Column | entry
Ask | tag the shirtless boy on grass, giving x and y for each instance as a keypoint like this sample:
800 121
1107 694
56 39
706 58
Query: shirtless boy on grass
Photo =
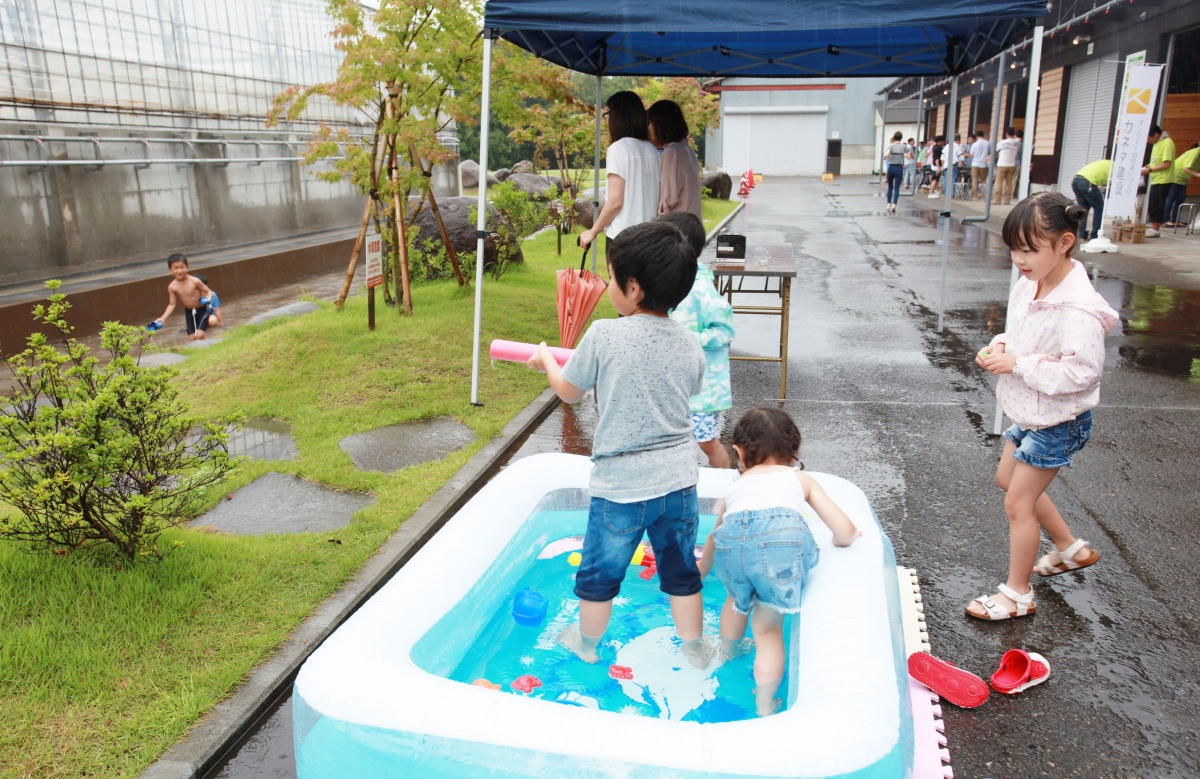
195 296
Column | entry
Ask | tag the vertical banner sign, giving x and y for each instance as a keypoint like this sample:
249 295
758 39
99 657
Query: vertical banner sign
374 252
1129 142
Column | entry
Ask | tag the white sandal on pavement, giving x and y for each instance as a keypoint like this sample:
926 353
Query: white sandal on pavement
1067 561
995 612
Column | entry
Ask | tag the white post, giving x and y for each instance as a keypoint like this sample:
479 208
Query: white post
596 168
481 218
1031 101
883 134
948 156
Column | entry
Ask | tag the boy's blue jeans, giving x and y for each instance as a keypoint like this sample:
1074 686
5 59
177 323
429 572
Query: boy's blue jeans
614 531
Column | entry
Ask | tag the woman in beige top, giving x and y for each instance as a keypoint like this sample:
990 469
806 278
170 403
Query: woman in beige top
679 177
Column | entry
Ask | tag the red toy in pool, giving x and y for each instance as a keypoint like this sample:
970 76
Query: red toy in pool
526 683
620 672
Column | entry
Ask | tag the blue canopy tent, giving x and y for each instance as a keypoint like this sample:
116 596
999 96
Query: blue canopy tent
748 38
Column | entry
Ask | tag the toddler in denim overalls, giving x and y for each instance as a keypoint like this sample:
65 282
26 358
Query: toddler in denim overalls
762 548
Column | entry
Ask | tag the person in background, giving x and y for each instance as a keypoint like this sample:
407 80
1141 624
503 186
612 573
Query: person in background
981 157
1006 167
910 164
633 171
922 165
1162 173
958 161
894 159
938 154
1088 186
679 174
707 314
195 297
1185 164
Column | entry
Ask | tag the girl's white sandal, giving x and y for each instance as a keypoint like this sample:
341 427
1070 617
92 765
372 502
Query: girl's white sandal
995 612
1067 561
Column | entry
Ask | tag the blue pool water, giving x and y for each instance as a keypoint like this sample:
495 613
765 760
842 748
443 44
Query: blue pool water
641 638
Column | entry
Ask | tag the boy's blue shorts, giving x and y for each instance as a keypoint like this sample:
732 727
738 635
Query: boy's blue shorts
614 531
197 318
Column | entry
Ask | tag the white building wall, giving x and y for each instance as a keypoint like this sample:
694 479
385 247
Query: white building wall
849 112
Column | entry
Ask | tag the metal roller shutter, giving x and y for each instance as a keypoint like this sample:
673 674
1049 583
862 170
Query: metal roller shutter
1089 110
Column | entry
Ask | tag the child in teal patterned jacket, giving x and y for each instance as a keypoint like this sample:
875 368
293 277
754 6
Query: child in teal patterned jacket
710 317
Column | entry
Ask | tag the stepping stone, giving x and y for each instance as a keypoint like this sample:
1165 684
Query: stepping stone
263 439
282 503
291 309
159 359
391 448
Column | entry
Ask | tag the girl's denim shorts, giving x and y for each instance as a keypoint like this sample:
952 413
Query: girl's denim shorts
1051 447
764 556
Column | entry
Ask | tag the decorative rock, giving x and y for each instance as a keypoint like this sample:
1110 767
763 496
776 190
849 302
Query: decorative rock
470 173
537 187
718 183
524 166
583 212
492 180
456 213
503 174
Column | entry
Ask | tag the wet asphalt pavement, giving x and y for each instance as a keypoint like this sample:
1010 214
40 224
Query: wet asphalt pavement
884 400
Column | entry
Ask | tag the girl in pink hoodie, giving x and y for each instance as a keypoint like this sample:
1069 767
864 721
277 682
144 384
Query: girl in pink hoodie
1049 364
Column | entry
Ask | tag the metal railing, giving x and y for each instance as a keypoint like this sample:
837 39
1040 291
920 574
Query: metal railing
99 161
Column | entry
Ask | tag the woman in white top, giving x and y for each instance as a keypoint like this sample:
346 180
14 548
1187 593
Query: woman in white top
633 170
679 181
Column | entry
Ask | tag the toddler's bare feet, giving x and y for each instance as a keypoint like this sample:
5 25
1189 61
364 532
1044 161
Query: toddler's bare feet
731 649
766 708
697 652
583 648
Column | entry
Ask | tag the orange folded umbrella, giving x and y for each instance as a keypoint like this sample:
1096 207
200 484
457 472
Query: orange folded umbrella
578 293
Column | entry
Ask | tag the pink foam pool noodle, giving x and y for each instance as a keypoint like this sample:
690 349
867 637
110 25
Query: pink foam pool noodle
515 351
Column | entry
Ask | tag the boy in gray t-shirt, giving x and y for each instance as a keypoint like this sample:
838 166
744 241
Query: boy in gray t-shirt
645 368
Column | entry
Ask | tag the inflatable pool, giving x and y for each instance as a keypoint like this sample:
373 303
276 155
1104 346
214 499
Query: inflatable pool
390 693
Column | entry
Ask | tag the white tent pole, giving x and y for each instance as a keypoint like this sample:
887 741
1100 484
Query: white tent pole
1031 101
948 168
596 166
481 218
916 184
883 134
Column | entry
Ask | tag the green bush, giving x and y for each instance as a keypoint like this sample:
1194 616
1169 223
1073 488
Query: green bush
98 454
517 216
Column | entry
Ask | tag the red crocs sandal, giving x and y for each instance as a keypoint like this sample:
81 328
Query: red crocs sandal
1020 670
962 688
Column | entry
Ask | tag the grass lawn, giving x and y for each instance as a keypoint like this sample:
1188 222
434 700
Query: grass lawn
102 669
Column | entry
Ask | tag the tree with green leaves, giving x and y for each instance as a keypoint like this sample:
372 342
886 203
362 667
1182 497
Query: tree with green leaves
413 68
98 454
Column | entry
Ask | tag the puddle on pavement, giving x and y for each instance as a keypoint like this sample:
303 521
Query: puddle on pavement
263 439
1161 328
394 447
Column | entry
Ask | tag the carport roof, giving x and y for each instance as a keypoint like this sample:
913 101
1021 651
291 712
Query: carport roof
763 38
